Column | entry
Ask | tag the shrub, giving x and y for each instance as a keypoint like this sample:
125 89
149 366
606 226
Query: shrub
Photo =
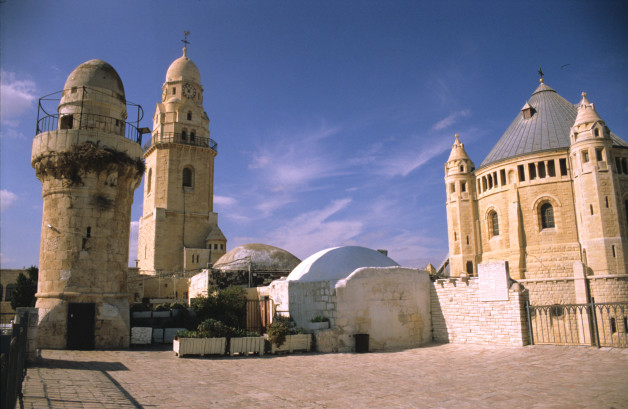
279 329
212 328
162 307
227 305
184 333
177 306
320 318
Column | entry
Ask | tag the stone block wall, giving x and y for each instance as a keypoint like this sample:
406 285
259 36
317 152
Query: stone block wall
609 289
550 291
458 315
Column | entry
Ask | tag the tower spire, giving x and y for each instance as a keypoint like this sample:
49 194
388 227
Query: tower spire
185 42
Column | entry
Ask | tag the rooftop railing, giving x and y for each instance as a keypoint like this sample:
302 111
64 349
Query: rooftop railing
48 119
182 139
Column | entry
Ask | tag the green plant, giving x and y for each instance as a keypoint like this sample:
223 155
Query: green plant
23 294
184 333
279 329
319 318
212 328
227 305
162 307
177 306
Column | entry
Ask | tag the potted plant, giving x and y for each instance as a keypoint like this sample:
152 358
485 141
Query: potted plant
209 338
244 343
284 337
318 323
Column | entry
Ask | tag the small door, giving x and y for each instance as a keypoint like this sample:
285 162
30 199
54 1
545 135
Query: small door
81 317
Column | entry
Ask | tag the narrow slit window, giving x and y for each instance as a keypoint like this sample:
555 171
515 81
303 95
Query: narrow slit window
463 186
187 177
484 184
502 175
599 155
490 181
591 208
174 90
563 167
532 171
522 174
551 170
494 220
88 233
189 116
467 240
613 250
542 173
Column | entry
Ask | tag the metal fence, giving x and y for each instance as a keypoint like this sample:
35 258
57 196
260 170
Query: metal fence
12 363
599 324
258 315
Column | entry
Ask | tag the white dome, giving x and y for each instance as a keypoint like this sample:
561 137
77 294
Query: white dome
183 69
338 263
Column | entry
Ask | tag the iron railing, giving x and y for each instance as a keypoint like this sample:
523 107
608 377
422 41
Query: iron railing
12 363
183 139
89 121
48 119
599 324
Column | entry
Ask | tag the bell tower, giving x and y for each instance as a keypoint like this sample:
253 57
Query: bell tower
179 230
461 212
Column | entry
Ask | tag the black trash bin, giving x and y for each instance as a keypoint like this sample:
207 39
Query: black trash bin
361 343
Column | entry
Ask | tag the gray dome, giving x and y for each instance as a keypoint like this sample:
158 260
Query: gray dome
548 127
338 263
95 74
262 257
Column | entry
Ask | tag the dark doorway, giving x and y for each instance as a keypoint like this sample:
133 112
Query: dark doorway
81 318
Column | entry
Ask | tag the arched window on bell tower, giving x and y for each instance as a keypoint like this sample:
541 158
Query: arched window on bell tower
188 177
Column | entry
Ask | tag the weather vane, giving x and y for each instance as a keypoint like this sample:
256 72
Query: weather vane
185 40
541 72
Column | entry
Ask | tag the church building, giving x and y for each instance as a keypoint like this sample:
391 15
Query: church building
179 230
550 198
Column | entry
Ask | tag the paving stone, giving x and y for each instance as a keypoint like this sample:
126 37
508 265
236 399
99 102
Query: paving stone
435 376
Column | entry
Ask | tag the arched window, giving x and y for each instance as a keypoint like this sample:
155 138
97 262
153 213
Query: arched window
469 268
184 135
547 216
149 179
187 177
493 220
192 136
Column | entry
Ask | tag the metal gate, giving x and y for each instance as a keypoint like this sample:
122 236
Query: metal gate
599 324
258 315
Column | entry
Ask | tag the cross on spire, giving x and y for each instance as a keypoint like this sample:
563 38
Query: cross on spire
541 74
185 40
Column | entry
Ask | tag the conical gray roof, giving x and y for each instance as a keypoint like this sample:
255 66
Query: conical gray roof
547 129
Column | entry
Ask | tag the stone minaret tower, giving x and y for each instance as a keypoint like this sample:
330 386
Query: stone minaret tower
179 230
89 161
464 241
601 229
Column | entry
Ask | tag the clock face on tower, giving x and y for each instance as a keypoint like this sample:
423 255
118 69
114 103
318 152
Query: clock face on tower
189 91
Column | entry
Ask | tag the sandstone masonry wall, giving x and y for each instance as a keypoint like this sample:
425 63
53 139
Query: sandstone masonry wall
458 315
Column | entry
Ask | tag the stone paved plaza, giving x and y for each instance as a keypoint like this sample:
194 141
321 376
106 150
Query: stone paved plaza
435 376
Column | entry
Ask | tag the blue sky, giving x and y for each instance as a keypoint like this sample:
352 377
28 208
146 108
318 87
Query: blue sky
333 118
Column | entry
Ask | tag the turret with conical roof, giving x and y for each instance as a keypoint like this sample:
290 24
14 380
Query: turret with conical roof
461 210
597 190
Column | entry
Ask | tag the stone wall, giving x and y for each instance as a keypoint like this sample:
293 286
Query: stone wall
609 288
458 315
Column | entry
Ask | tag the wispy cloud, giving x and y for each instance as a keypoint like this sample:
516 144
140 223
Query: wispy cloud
450 120
224 200
316 230
410 155
16 97
295 160
6 199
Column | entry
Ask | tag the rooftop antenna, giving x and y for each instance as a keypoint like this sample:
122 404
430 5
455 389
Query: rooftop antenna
541 74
